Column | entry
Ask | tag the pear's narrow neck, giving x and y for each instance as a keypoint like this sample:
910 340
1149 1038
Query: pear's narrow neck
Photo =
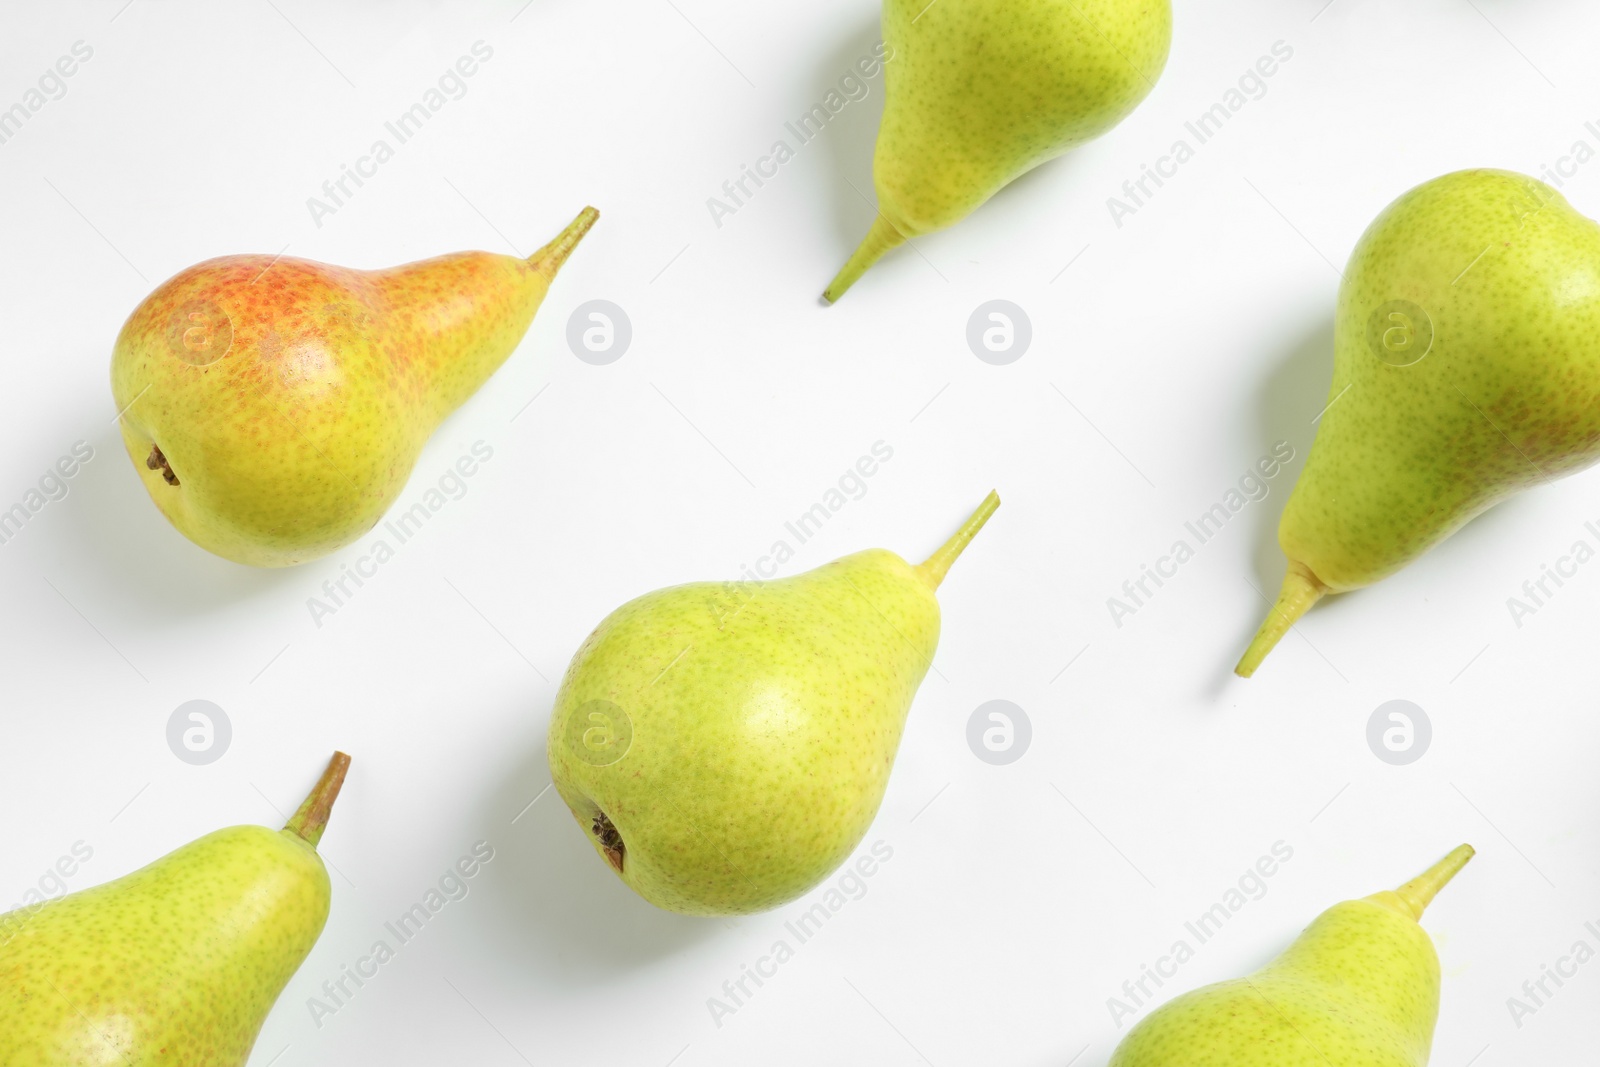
936 566
467 313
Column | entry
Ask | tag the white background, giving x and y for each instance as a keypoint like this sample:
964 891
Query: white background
1165 361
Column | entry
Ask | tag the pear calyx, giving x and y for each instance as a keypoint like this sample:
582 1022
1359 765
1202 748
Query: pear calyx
610 841
1301 589
157 462
934 568
1418 893
312 818
882 237
551 256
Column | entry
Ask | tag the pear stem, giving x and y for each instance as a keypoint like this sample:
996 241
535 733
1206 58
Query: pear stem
1301 589
312 818
1420 891
882 237
936 566
551 256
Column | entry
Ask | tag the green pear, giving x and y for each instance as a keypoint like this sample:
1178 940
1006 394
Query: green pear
1466 369
726 745
275 407
979 92
1359 988
178 963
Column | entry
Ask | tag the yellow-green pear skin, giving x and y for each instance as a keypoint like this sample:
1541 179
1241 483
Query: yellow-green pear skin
726 745
174 965
1359 988
1466 369
979 92
275 407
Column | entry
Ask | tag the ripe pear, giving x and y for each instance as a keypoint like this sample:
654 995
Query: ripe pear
726 745
177 963
979 92
275 407
1359 988
1466 369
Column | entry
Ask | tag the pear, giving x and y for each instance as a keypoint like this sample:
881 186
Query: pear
1359 988
978 92
177 963
275 407
1466 369
726 745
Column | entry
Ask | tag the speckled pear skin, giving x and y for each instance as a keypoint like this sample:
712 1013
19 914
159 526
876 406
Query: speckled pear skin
978 92
291 399
178 963
1358 988
1508 398
1418 438
765 718
174 965
981 91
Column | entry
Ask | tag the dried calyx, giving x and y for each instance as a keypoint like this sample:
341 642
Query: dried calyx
157 462
610 841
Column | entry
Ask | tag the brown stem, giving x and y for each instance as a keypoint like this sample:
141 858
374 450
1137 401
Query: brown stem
312 818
